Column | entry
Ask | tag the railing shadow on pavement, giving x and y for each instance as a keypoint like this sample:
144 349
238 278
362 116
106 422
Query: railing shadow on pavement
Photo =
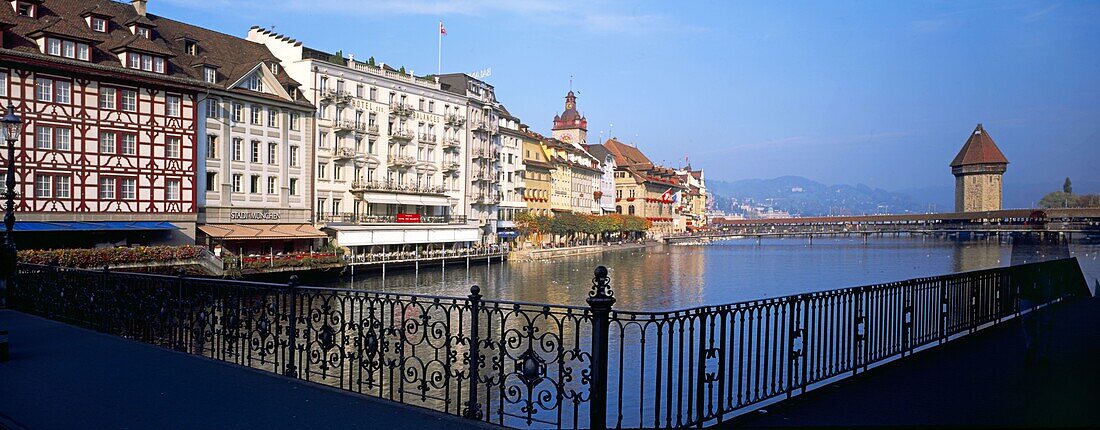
542 365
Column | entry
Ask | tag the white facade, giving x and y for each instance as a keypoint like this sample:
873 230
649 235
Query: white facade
390 147
512 184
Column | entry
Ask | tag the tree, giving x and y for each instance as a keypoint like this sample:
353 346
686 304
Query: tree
1088 201
371 60
337 58
1058 199
1067 187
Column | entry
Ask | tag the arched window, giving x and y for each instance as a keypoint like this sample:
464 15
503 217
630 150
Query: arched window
631 209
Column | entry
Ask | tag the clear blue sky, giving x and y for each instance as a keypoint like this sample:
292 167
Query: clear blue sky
876 92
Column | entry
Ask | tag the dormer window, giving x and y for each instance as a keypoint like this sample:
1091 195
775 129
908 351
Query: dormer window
67 49
26 9
191 47
209 74
99 24
274 68
145 62
142 31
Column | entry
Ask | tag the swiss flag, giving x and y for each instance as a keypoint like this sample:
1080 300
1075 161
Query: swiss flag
442 30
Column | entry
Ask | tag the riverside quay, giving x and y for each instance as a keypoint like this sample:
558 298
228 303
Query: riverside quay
541 365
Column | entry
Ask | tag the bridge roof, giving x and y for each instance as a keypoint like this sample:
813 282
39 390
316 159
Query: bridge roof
979 149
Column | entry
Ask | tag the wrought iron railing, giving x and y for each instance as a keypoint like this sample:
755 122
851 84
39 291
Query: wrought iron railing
541 365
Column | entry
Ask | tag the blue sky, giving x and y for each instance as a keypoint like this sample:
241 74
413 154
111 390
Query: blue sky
876 92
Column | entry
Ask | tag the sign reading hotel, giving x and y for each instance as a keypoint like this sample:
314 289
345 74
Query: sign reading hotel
262 216
408 218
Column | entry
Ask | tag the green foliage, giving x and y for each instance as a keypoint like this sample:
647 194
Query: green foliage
371 61
1058 199
337 58
1067 187
402 70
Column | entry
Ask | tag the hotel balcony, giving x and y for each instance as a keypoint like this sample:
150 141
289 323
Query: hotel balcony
402 135
396 187
344 153
487 154
372 130
339 97
450 166
401 161
454 120
452 143
427 138
401 109
345 126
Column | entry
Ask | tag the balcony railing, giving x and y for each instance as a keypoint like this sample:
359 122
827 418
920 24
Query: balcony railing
482 153
595 366
402 135
426 138
450 166
388 219
401 161
372 130
397 187
401 109
454 120
452 143
344 153
335 96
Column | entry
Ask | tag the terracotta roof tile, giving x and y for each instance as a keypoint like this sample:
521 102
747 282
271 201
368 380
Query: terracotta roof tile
979 149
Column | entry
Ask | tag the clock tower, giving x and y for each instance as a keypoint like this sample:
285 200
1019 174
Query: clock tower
570 127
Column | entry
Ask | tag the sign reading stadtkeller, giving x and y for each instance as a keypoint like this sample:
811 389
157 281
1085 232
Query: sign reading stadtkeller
266 216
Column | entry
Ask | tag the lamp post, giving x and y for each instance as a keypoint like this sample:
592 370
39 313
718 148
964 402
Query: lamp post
9 130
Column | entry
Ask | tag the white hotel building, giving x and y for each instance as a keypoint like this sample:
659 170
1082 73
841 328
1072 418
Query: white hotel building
390 151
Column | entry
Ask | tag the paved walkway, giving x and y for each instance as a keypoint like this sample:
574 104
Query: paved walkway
63 377
981 380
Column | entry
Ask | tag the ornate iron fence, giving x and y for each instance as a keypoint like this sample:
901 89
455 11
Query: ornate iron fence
540 365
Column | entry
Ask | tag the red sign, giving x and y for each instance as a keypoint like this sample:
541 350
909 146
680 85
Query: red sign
409 218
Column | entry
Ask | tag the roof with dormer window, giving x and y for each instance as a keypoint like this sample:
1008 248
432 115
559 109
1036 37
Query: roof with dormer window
64 28
139 43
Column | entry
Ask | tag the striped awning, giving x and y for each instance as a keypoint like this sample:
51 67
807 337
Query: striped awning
261 231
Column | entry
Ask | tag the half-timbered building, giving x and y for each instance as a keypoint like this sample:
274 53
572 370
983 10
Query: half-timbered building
107 149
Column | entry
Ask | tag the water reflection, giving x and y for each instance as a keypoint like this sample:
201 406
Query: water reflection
667 277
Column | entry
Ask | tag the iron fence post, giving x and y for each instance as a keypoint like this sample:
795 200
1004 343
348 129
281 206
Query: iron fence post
289 369
600 300
473 408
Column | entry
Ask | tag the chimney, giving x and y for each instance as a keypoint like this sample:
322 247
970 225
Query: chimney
139 6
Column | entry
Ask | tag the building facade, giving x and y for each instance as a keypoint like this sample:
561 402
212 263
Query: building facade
537 175
511 176
645 189
107 148
577 167
390 150
693 201
607 180
979 168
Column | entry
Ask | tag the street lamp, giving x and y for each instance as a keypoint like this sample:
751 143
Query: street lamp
9 130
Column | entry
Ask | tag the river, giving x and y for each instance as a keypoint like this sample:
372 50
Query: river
672 277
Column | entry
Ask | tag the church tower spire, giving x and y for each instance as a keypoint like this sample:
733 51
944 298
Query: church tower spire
570 126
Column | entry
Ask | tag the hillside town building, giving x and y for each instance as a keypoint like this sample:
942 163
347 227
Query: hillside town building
645 189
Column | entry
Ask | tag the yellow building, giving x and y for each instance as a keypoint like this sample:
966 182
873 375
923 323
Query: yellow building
537 173
645 189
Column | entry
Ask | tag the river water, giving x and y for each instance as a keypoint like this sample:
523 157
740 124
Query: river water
674 277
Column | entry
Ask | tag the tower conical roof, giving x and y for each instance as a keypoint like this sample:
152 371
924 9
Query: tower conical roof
979 149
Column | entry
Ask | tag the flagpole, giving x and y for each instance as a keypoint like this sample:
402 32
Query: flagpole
439 65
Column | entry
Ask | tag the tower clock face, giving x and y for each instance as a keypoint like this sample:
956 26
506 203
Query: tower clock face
567 139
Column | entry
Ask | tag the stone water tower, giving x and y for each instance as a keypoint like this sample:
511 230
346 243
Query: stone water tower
978 170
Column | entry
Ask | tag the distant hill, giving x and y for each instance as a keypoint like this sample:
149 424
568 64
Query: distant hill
805 197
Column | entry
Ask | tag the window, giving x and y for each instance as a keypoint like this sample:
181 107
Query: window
323 141
191 47
236 182
212 108
82 52
3 82
257 113
212 147
272 118
373 93
43 137
141 31
294 121
321 169
68 49
133 60
25 9
254 184
293 156
128 189
107 188
107 98
431 105
62 187
255 83
211 181
272 185
324 83
108 142
173 147
129 100
172 106
43 186
359 91
238 113
129 144
210 74
53 47
272 151
335 206
99 24
43 90
237 148
172 189
293 186
63 92
62 139
254 156
274 68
